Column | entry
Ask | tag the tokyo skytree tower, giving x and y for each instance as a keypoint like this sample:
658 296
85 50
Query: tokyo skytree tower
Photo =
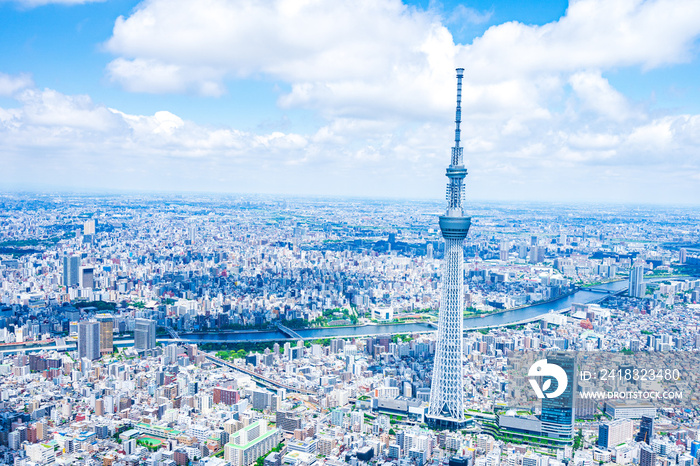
447 389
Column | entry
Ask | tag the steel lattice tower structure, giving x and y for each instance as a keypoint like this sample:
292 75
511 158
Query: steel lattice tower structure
447 389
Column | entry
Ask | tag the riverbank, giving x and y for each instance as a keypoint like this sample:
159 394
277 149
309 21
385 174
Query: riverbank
218 331
538 303
500 319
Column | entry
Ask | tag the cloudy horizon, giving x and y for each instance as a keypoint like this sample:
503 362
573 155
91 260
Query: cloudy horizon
598 102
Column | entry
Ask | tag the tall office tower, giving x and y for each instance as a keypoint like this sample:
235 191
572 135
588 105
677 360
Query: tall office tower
89 340
682 255
446 408
647 456
87 277
89 227
504 249
646 429
106 332
71 268
637 289
534 254
522 250
99 407
89 231
557 418
144 334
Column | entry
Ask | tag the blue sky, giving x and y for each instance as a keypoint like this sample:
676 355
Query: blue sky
597 100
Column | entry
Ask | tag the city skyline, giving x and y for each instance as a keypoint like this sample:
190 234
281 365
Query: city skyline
236 331
105 97
275 281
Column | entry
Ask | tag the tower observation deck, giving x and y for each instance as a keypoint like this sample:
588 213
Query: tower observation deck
446 408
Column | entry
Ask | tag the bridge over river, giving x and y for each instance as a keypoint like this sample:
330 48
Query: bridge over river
525 314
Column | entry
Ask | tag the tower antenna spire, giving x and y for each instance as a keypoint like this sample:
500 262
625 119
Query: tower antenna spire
458 113
456 171
446 408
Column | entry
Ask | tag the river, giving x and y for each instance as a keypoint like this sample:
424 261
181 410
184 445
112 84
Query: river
500 319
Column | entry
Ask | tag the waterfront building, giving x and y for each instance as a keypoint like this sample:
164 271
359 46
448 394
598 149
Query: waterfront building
637 289
144 334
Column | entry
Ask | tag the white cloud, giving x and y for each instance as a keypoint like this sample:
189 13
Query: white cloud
657 135
298 41
148 75
596 94
78 141
593 141
386 60
341 58
36 3
464 14
9 85
76 125
594 34
379 78
49 108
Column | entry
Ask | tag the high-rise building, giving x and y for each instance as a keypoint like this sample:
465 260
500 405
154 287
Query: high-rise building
635 344
41 430
250 443
89 231
637 289
557 418
89 227
534 254
144 334
87 279
682 255
227 396
522 251
503 250
647 456
695 448
89 340
287 421
646 429
106 322
99 407
447 389
71 267
614 433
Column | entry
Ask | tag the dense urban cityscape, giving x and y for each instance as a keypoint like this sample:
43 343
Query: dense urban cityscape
216 329
225 327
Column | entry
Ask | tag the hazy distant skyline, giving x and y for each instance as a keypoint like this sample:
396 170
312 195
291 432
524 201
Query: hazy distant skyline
596 100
